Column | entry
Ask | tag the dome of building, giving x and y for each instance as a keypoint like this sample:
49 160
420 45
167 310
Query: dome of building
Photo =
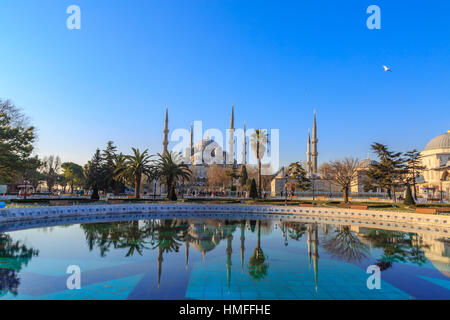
365 164
440 142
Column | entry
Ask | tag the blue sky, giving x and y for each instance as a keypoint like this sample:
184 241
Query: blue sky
277 60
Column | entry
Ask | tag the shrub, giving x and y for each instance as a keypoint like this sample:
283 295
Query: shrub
409 199
253 190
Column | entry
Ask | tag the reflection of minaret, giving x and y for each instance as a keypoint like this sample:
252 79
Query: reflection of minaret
186 244
244 146
166 131
160 260
315 153
308 155
309 245
242 245
316 255
229 252
230 155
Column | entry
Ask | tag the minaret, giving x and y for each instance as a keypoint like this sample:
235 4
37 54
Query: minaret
166 131
244 146
230 155
192 140
308 154
315 154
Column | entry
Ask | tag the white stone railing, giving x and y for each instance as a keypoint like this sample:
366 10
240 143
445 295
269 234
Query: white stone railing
91 213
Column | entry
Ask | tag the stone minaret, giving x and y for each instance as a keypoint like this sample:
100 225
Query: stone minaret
315 154
192 141
166 131
308 155
230 156
244 147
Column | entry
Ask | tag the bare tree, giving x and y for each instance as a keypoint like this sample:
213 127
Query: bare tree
50 169
342 172
216 176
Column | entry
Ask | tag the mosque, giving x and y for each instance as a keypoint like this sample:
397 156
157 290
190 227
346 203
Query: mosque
207 152
434 182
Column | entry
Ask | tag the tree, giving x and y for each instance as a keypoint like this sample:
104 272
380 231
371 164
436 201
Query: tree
51 166
389 172
253 190
135 167
243 176
94 175
409 200
171 169
259 141
233 174
216 176
298 175
31 174
17 138
342 172
112 161
73 173
414 167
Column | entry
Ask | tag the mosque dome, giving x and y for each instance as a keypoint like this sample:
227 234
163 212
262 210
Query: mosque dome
440 142
365 164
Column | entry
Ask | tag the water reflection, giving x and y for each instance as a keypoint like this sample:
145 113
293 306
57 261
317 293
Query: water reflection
345 245
14 255
269 245
397 247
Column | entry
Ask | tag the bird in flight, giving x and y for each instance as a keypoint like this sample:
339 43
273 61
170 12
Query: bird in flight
386 69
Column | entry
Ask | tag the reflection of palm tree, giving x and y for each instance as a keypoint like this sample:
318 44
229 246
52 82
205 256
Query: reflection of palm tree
17 255
134 239
343 244
296 230
258 266
167 239
117 235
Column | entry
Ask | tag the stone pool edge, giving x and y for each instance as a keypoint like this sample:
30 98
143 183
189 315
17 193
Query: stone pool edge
34 213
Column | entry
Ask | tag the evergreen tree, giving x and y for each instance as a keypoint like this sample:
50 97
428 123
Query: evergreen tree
253 190
414 167
244 176
389 172
16 142
409 200
94 175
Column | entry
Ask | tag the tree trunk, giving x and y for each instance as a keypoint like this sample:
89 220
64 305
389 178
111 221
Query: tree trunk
259 178
137 186
345 194
95 195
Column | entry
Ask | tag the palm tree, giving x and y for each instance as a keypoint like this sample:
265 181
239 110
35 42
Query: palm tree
259 141
134 168
171 170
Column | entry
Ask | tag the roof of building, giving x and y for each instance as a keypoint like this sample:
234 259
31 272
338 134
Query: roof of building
440 142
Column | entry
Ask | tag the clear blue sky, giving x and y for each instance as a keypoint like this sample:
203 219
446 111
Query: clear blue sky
277 60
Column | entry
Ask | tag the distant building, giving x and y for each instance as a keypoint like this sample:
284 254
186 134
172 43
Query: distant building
435 179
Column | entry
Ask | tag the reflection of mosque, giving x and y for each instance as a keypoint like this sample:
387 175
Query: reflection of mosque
206 236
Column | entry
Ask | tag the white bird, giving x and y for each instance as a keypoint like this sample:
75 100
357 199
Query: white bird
386 69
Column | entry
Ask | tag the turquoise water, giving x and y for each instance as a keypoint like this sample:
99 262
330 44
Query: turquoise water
218 259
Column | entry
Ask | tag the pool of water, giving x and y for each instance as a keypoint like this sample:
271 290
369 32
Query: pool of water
218 259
